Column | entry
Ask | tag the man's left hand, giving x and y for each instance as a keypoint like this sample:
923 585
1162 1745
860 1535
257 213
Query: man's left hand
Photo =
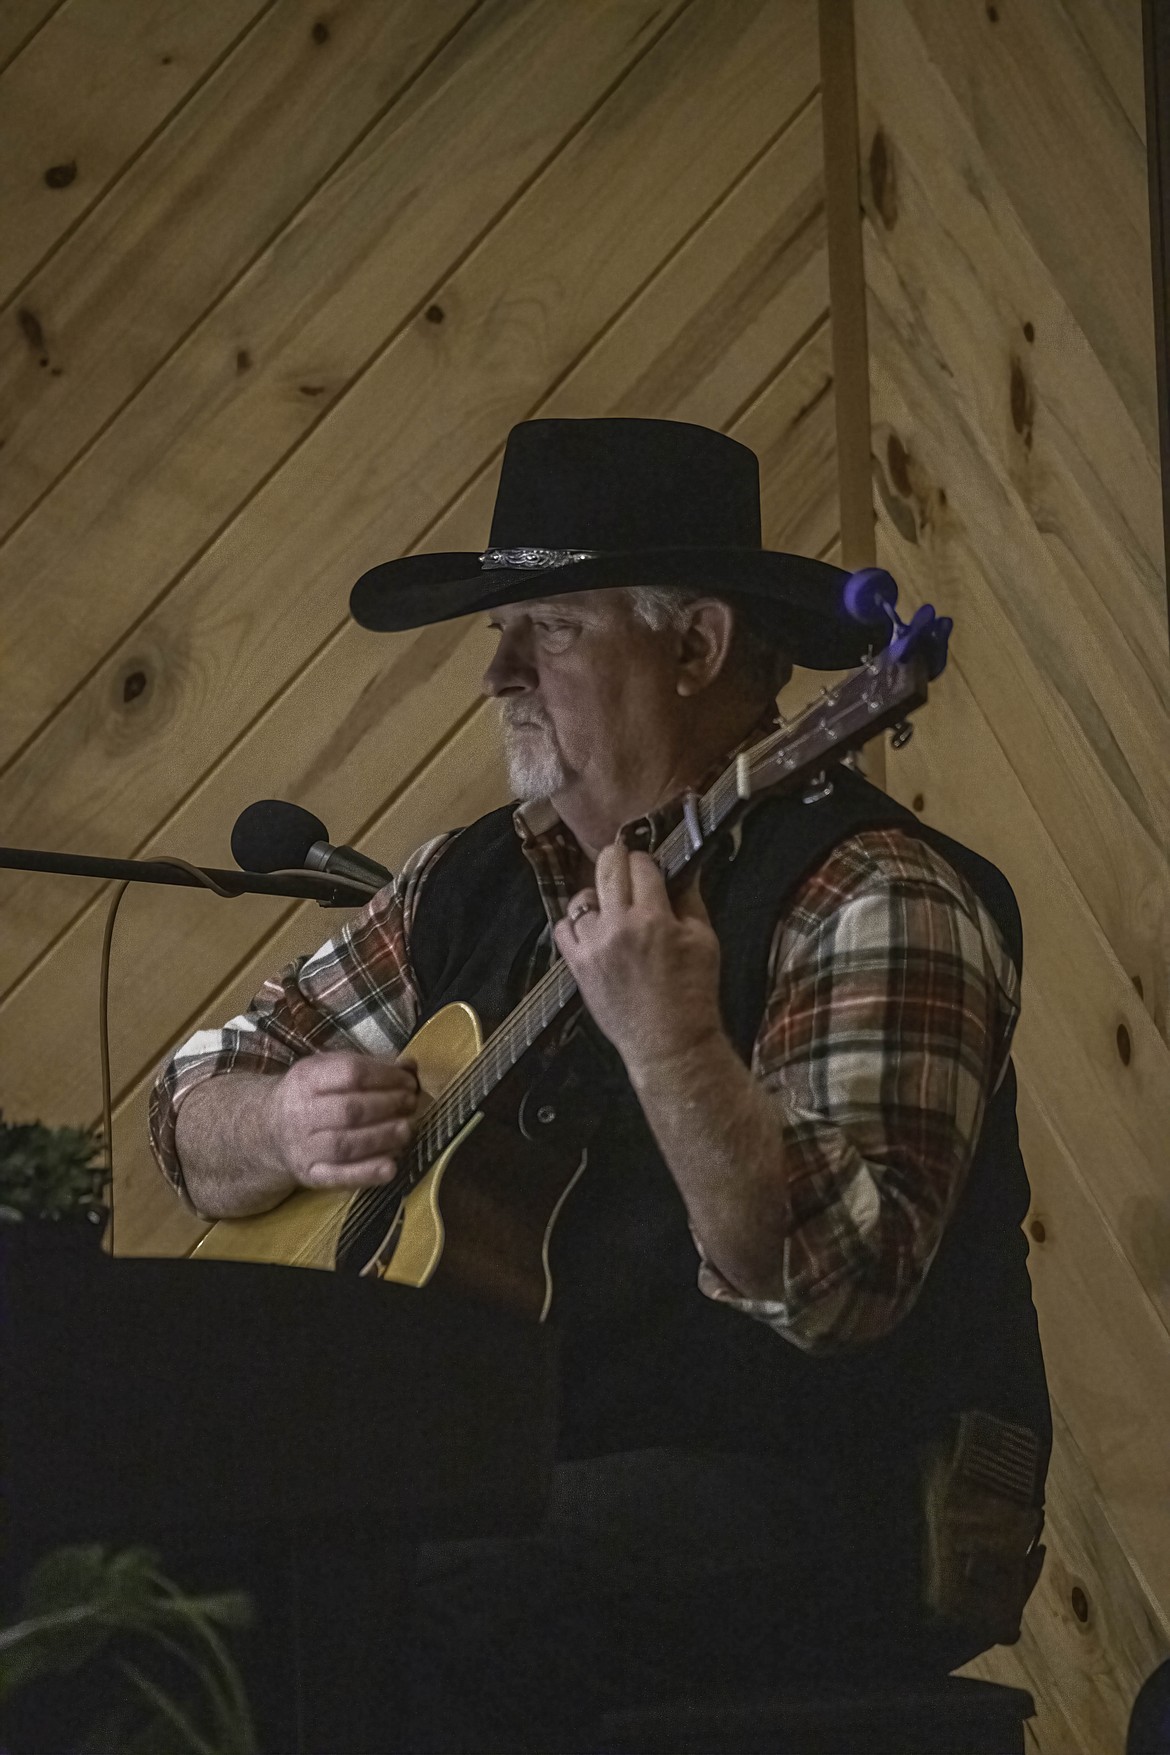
648 971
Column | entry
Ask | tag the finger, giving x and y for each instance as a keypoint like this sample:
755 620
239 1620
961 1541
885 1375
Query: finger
647 884
369 1173
338 1071
612 876
354 1109
565 934
353 1145
587 896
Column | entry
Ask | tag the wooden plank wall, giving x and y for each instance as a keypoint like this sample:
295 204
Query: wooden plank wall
1014 442
312 261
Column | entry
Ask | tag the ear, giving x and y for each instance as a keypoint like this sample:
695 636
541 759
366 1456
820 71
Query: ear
705 644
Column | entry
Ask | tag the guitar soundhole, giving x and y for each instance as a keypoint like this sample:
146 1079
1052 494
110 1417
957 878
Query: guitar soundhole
370 1232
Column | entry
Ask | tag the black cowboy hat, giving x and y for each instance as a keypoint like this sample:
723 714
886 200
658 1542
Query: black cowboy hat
584 504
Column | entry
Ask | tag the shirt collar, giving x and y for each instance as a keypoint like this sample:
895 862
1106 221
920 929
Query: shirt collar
537 821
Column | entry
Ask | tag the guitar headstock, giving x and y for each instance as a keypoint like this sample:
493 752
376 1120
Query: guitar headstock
880 693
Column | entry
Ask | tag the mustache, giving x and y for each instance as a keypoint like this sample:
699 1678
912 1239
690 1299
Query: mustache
508 720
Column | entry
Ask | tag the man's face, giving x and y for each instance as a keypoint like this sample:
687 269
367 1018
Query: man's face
582 687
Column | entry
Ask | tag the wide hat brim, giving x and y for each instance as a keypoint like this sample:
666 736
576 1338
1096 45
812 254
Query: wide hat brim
801 598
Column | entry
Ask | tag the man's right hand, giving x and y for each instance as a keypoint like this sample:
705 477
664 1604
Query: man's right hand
343 1120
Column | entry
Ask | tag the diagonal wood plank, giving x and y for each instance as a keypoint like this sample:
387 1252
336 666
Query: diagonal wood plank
65 135
1111 32
364 486
1021 369
20 20
797 451
360 713
306 275
1107 1349
194 212
1021 79
1078 709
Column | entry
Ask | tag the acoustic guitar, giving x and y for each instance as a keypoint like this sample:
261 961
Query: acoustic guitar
502 1130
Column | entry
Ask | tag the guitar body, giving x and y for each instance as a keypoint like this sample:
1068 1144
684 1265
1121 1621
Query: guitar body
479 1221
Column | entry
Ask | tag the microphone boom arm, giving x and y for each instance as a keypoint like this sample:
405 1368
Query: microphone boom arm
329 890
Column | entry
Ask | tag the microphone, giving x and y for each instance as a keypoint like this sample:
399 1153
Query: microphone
271 835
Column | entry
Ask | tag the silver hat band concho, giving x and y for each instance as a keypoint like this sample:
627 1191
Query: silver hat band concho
535 557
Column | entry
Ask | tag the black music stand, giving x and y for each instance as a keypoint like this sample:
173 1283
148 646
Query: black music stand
288 1432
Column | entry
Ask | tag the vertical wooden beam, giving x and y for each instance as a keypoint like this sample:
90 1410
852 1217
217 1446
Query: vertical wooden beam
847 302
1156 48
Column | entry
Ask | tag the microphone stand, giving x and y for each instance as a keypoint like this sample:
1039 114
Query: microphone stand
329 891
320 887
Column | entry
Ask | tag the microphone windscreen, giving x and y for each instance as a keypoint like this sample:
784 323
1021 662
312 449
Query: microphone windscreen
273 836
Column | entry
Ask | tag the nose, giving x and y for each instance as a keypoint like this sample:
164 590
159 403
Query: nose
511 670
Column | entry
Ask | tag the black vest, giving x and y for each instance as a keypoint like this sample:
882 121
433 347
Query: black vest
648 1359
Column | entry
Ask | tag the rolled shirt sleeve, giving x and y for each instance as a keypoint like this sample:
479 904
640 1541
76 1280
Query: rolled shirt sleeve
891 1008
355 992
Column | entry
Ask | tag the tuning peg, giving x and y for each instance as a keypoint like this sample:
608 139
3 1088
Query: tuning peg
870 594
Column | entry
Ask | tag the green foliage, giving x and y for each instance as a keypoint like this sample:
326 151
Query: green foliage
171 1686
49 1172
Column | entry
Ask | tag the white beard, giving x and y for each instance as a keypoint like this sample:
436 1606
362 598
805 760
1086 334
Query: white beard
534 763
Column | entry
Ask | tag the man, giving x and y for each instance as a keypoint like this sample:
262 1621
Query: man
795 1257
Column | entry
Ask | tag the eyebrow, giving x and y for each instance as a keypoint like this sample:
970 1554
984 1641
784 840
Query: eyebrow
556 605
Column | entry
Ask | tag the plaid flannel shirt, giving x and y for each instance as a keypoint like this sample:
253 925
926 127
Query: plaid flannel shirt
891 1006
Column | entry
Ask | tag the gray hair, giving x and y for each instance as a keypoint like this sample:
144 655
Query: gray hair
758 656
